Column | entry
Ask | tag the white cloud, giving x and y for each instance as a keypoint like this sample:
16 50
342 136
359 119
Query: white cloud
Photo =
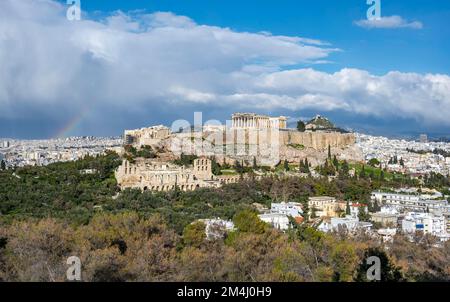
142 63
422 97
389 22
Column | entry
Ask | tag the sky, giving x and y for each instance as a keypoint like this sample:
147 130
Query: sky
136 63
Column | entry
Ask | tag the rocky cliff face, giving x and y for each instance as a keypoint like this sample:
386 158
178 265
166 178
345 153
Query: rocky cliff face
292 146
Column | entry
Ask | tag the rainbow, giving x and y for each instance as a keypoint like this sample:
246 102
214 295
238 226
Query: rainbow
72 124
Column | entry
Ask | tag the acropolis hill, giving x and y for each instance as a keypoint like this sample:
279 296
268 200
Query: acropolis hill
266 128
249 139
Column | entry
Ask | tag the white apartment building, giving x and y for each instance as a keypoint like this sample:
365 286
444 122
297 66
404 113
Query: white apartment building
425 222
292 209
350 223
406 202
278 221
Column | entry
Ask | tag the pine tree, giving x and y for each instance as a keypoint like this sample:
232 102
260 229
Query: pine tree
215 167
362 174
376 206
307 165
329 152
255 165
347 208
286 165
301 126
335 162
3 165
344 168
238 167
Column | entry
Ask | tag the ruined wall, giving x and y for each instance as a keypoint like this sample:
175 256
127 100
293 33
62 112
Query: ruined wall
317 140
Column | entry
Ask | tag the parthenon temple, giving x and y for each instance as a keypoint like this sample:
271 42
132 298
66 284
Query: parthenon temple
252 120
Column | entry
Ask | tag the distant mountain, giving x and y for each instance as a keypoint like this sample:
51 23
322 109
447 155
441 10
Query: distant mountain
321 123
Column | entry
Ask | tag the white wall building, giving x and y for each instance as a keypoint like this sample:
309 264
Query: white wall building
425 222
406 202
292 209
278 221
350 223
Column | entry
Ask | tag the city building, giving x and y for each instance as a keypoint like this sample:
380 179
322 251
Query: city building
406 202
424 222
278 221
22 153
385 219
423 138
5 144
324 206
348 223
292 209
418 157
355 208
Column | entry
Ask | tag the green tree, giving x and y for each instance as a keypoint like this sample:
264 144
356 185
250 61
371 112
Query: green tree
329 152
362 174
335 162
313 212
238 167
362 214
347 208
146 152
194 234
215 167
286 165
2 165
301 126
248 222
374 162
344 169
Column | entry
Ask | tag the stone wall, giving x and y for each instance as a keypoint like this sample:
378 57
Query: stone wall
317 140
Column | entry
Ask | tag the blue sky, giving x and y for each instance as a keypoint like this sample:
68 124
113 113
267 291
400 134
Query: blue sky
378 51
134 63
